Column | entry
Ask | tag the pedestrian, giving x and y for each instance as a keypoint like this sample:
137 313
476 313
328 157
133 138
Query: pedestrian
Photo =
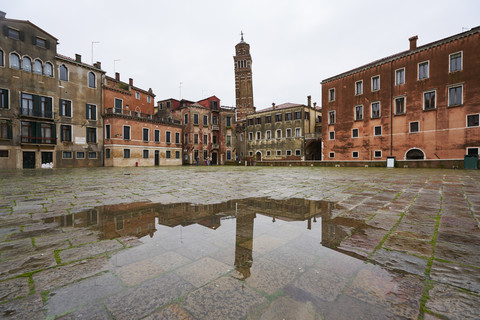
196 160
208 161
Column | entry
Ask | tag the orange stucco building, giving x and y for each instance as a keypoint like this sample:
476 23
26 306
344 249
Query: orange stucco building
420 104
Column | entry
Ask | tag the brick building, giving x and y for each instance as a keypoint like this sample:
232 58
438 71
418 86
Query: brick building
50 105
422 103
208 129
134 136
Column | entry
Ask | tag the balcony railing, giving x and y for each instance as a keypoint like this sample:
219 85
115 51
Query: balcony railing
38 140
37 113
215 146
315 135
215 127
139 115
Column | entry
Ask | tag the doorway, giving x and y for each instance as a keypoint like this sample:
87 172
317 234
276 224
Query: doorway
47 157
258 156
214 158
28 160
157 157
415 154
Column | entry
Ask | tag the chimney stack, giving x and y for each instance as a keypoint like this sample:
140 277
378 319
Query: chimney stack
98 65
3 15
130 82
413 42
273 105
314 104
78 58
117 76
309 101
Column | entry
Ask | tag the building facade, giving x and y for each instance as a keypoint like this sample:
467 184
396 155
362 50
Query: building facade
134 135
422 103
45 98
281 132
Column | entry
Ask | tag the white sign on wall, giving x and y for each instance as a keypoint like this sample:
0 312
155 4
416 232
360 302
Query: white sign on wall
80 140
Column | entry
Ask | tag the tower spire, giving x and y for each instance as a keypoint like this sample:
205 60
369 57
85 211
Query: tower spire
241 33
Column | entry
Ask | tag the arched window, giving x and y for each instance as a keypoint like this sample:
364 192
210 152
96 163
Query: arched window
1 59
63 73
37 66
14 61
92 83
415 154
27 64
48 71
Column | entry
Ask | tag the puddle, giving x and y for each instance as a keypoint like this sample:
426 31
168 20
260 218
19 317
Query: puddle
240 259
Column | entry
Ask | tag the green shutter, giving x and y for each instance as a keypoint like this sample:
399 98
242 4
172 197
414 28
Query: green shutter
5 98
49 111
37 128
54 133
36 106
86 110
9 129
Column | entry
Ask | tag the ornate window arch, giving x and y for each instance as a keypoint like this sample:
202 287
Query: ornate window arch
414 154
27 64
14 61
92 80
37 66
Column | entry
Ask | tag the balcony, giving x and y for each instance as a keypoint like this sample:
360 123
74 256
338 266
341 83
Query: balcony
128 113
315 135
215 146
38 140
38 113
215 127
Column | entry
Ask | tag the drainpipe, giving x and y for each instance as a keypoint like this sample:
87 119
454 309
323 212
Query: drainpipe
391 108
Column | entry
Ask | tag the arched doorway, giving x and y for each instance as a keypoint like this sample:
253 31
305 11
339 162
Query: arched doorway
414 154
258 156
313 150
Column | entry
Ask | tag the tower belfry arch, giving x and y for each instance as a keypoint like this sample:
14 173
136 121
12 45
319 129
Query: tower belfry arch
243 80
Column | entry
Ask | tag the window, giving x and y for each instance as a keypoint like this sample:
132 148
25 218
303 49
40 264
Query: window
156 134
37 67
205 120
250 122
92 80
195 138
229 155
473 120
288 133
80 155
241 136
67 155
91 111
250 136
107 131
107 153
456 62
455 96
91 135
288 116
268 134
92 155
269 153
145 134
472 151
214 105
168 154
168 104
3 153
27 64
66 133
331 94
65 108
400 105
13 34
377 154
250 153
298 132
278 117
39 42
331 135
268 119
37 106
63 73
331 155
358 113
214 120
177 154
145 154
137 95
279 133
414 126
14 61
126 132
355 154
48 70
279 152
229 121
355 133
177 137
118 105
298 152
331 117
288 152
3 98
258 120
399 76
168 137
5 129
359 87
377 130
195 119
259 135
126 153
423 70
376 83
429 100
298 115
375 110
185 119
1 59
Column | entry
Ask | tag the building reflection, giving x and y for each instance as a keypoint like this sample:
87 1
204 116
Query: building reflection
139 220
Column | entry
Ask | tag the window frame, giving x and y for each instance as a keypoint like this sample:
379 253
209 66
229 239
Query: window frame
288 133
156 135
268 134
358 92
64 153
4 98
91 110
24 64
61 76
147 130
92 82
331 94
80 155
353 154
89 131
278 153
298 132
454 86
127 133
404 98
63 108
145 154
331 135
277 135
357 133
373 81
410 127
168 136
375 134
477 121
331 117
375 154
419 65
379 110
331 155
434 101
450 61
397 72
356 114
17 58
63 132
126 153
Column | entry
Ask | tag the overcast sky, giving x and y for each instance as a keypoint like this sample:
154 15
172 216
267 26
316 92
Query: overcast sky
294 44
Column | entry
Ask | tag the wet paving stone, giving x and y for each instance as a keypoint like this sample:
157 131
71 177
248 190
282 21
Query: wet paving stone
203 271
292 258
267 276
286 308
172 312
30 307
14 288
86 291
347 308
22 265
89 250
88 312
225 298
409 245
453 303
456 275
400 261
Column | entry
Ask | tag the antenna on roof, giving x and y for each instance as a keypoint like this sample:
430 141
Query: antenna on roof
465 29
93 42
180 88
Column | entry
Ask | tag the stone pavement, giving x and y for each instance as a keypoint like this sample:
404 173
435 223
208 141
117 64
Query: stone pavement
403 243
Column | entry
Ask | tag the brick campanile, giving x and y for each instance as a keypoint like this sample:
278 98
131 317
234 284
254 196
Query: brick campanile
243 80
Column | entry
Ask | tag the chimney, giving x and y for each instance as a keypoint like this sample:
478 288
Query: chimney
314 104
2 15
117 76
130 82
78 58
98 65
273 105
413 42
309 101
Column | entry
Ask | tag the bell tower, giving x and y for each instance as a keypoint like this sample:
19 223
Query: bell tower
243 80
